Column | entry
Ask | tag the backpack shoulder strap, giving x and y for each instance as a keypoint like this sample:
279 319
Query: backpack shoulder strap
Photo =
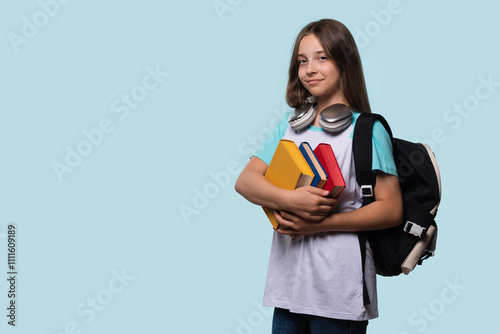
362 150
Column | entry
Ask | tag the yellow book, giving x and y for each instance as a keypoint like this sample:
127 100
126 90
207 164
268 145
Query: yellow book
288 169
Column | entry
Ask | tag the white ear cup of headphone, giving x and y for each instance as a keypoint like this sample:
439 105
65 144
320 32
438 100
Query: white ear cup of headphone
304 114
335 118
302 117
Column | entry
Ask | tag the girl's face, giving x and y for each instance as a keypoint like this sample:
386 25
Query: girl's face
319 75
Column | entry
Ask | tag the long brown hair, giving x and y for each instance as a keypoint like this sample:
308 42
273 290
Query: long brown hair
339 46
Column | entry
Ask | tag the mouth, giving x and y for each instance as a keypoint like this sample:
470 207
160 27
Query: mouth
313 81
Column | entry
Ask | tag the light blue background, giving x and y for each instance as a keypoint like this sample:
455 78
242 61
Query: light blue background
120 209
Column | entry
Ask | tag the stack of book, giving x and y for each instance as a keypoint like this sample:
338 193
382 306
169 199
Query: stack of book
292 167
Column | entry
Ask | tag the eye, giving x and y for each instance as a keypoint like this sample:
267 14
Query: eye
323 58
302 61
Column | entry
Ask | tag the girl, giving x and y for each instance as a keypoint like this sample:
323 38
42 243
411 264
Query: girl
314 277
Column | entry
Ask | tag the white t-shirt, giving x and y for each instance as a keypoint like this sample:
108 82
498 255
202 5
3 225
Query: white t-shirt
321 274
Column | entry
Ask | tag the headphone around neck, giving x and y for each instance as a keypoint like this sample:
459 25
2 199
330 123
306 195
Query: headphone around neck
334 118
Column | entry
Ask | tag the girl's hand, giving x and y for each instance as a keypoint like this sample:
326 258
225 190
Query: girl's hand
310 203
295 226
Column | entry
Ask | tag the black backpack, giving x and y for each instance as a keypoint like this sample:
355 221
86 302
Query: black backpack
401 248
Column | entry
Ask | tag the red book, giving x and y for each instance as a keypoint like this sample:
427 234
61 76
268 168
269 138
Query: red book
335 183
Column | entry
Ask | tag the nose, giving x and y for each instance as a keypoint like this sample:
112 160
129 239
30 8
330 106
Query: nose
311 68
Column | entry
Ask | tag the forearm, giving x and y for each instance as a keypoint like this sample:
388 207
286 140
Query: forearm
386 211
307 202
253 186
374 216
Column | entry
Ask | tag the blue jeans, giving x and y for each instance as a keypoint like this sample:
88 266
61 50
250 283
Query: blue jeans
286 322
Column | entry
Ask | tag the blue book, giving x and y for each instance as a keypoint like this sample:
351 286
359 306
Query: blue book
320 176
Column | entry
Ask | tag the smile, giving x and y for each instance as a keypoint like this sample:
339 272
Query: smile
314 81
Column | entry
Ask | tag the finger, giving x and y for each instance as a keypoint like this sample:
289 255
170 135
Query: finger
282 222
324 209
297 217
288 216
293 221
321 212
285 231
284 225
328 201
317 191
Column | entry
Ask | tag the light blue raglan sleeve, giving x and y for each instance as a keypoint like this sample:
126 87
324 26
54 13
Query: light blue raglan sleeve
383 159
266 151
